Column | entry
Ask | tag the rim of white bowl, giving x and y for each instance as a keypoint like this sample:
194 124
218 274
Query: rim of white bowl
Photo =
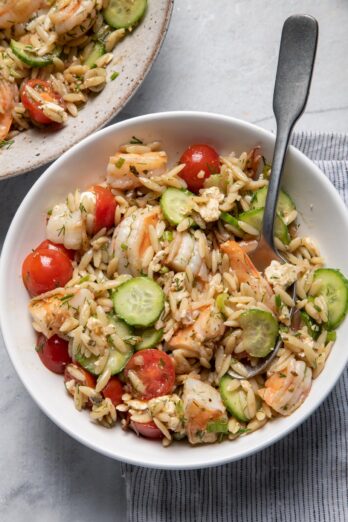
5 259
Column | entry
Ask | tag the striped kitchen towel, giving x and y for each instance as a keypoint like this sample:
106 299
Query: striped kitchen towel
302 478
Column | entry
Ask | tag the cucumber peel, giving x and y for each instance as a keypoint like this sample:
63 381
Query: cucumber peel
334 289
122 14
285 204
260 332
139 301
28 56
235 401
175 205
97 51
255 217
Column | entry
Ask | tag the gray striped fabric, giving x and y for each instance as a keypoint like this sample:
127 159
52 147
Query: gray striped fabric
302 478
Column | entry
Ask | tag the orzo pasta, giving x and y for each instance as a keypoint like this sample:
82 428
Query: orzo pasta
144 296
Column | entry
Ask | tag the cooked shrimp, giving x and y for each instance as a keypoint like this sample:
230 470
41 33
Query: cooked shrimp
246 271
209 325
240 261
202 405
17 11
123 168
286 390
72 18
65 227
50 310
184 252
8 96
132 238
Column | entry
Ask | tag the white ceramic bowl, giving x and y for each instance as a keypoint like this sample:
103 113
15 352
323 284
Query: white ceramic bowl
322 215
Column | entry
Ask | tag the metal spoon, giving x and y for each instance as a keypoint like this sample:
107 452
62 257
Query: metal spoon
294 73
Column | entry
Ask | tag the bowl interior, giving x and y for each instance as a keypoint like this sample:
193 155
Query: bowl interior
321 212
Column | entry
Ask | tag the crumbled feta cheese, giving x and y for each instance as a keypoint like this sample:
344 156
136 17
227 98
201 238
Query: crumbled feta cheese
281 274
207 204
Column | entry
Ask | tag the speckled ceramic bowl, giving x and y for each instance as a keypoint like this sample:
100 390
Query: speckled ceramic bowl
136 54
321 211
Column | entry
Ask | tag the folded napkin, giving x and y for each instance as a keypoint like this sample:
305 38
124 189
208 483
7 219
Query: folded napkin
302 478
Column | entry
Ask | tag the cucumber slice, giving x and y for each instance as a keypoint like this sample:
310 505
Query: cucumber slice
149 338
234 401
334 289
285 203
124 13
97 51
233 222
115 363
254 218
175 205
260 332
139 301
27 55
117 360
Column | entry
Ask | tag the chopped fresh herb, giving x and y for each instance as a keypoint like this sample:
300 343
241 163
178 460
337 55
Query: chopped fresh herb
61 231
136 141
49 212
124 246
84 279
82 208
6 144
119 163
134 170
114 76
243 430
278 301
164 270
66 298
94 66
219 426
282 375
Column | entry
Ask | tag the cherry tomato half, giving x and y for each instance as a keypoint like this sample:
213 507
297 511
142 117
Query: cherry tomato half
114 391
75 372
148 429
199 158
46 91
53 352
104 208
155 369
44 270
55 246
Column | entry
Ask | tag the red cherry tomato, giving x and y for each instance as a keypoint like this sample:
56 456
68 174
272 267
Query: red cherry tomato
74 372
44 270
45 90
155 369
198 158
53 352
148 429
55 246
104 208
114 391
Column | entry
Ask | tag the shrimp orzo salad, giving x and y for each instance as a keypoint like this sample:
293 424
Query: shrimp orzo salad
54 54
145 298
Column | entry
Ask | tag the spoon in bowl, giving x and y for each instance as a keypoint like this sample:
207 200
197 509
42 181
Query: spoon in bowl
294 73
